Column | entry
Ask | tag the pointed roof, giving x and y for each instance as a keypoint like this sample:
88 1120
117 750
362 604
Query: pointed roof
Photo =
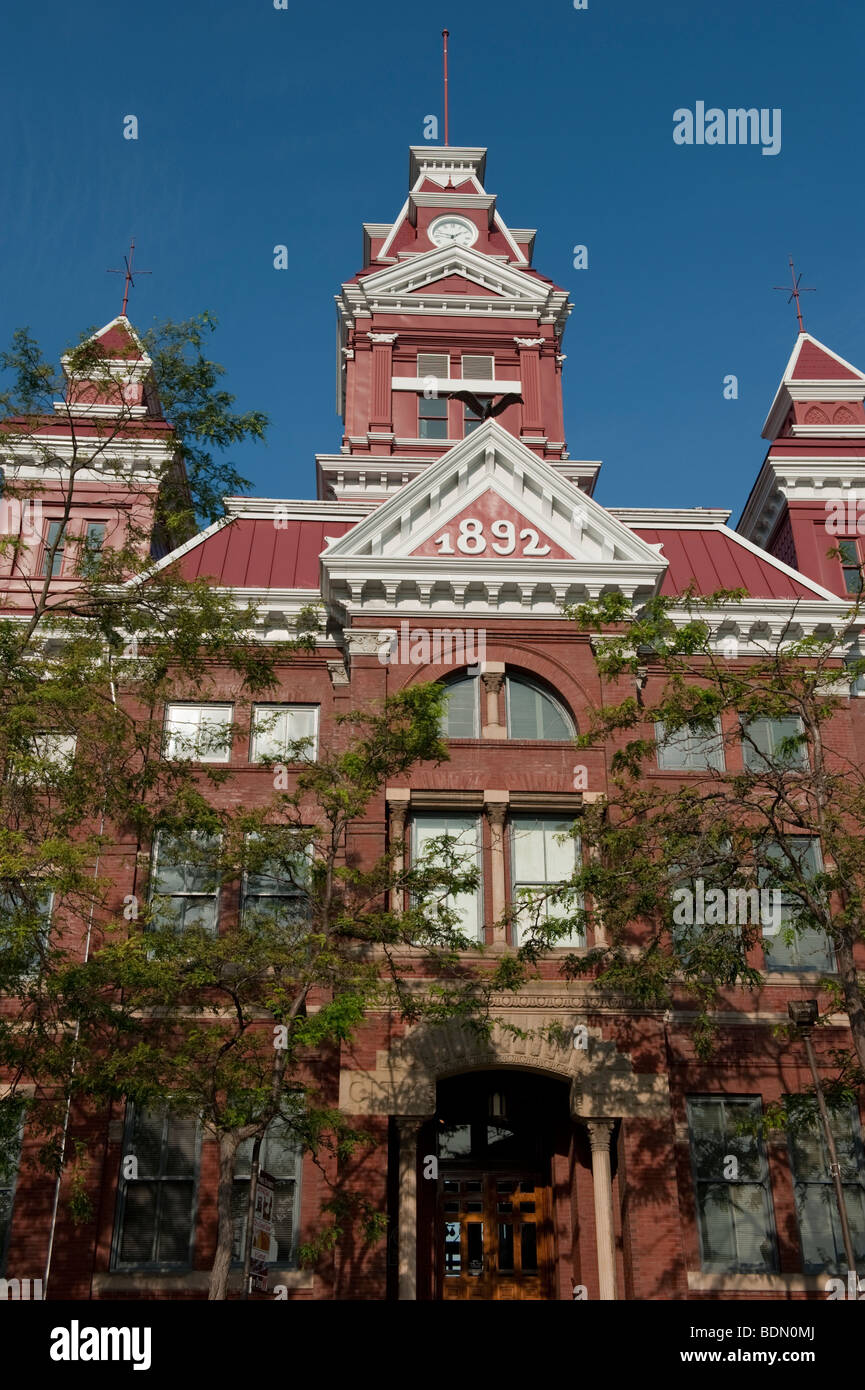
813 372
119 339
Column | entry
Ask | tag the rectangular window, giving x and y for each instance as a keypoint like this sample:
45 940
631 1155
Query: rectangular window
699 923
731 1181
156 1195
465 831
471 419
284 733
432 422
478 368
765 744
199 732
540 857
49 756
816 1204
185 882
808 948
851 563
8 1179
92 543
55 535
279 890
280 1158
25 918
689 749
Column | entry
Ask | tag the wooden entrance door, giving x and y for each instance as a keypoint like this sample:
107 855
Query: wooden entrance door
495 1238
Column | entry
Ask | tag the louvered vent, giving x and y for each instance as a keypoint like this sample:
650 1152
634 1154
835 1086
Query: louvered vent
478 368
434 364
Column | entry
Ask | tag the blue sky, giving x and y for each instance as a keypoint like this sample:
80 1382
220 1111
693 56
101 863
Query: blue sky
260 126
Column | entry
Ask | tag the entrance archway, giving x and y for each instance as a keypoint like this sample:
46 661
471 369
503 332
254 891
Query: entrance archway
490 1221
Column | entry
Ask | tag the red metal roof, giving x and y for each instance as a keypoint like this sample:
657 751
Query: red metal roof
812 364
713 559
254 553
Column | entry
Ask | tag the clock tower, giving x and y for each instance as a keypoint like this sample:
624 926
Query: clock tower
447 300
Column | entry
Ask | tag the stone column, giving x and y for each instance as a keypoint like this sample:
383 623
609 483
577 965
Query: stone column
493 676
496 806
409 1128
397 806
602 1184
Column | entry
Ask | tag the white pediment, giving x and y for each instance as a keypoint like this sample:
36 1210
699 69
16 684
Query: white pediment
488 528
493 276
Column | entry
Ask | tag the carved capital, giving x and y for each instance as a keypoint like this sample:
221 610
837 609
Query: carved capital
529 342
599 1134
382 338
493 681
337 672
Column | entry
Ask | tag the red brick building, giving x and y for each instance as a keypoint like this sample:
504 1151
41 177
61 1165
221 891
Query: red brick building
444 545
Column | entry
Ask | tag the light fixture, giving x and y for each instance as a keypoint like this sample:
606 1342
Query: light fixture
803 1012
498 1105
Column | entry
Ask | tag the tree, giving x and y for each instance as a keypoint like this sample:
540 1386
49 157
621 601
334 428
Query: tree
87 666
788 821
122 997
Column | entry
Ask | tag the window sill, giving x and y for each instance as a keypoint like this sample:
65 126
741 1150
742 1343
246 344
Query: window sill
193 1281
698 1282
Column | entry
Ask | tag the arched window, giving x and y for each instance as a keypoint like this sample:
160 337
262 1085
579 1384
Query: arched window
461 719
533 713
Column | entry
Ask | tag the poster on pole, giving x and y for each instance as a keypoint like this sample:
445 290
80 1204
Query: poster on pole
263 1232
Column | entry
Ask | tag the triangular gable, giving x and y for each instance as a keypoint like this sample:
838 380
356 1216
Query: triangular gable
814 362
420 271
813 372
119 339
490 511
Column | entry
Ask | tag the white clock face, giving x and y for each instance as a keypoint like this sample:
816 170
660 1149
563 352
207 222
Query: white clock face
453 231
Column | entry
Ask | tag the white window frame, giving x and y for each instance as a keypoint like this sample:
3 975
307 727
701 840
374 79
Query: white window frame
478 356
692 741
263 710
439 376
554 824
464 680
470 928
544 693
288 894
185 894
796 965
55 749
179 746
755 761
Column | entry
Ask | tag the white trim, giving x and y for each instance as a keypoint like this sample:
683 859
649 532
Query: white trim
482 386
174 555
827 431
671 517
